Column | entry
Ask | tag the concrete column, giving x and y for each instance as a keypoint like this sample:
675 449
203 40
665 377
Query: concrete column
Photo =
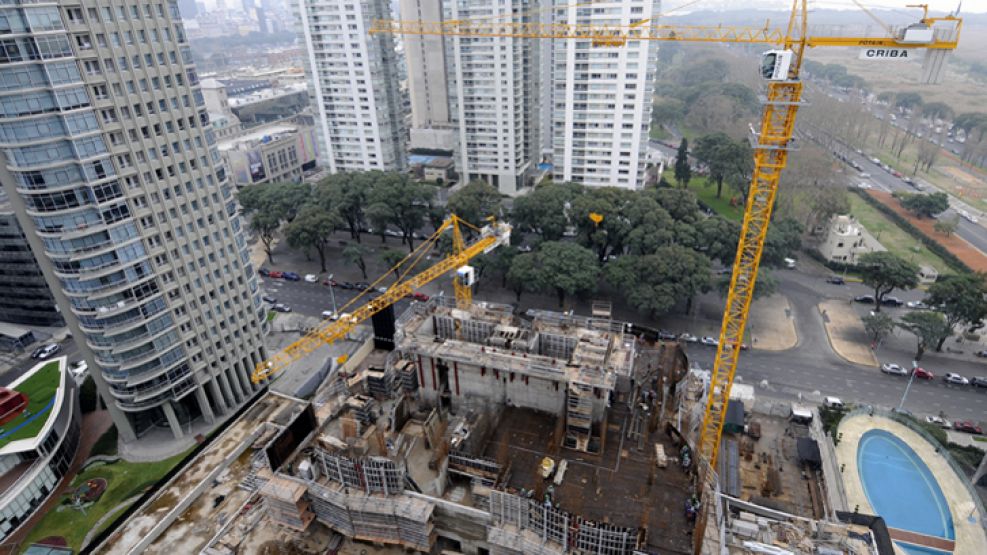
230 374
239 376
176 426
225 385
217 396
200 396
248 386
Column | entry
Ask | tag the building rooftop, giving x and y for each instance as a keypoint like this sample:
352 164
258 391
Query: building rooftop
41 385
263 134
267 94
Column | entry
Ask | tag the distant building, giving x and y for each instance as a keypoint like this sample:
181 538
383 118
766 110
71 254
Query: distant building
846 239
439 169
280 151
188 9
24 294
33 458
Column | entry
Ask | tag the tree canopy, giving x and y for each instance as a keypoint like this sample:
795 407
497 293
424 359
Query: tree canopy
656 283
475 202
884 272
960 299
925 206
929 328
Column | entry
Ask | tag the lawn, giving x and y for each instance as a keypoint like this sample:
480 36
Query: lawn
124 479
706 192
40 390
895 239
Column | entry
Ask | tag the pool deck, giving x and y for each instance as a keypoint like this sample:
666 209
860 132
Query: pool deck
970 536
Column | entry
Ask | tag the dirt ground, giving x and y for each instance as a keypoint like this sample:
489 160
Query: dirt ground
846 333
966 252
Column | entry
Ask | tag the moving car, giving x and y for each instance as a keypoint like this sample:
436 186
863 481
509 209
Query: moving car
291 276
268 299
666 335
78 368
417 296
688 338
955 379
917 305
968 427
311 278
923 374
979 381
711 341
939 421
866 299
281 307
46 351
836 280
893 369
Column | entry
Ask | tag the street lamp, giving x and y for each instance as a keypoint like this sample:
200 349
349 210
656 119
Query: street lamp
911 378
332 294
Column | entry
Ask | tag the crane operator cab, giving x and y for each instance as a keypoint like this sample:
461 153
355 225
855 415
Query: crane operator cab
466 276
775 65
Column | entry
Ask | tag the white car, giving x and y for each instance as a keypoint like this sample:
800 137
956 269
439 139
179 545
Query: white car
893 369
918 305
78 368
688 338
864 174
954 378
711 341
939 421
311 278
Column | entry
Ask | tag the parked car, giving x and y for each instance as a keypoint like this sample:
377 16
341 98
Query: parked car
955 379
381 289
346 285
417 296
275 274
866 299
917 305
688 338
833 403
939 421
979 381
361 286
893 369
281 307
311 278
268 299
923 374
291 276
711 341
892 301
78 368
47 351
330 283
666 335
836 280
328 314
968 427
264 272
864 174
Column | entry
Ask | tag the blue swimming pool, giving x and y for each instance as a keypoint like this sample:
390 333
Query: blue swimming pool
900 487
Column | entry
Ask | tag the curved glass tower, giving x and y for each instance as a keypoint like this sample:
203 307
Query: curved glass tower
112 170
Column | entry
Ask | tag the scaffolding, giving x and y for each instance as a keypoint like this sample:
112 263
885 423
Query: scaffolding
368 474
481 470
526 526
579 417
286 503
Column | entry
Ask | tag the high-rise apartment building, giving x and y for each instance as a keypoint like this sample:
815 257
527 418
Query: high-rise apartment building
110 165
601 97
494 90
24 294
353 81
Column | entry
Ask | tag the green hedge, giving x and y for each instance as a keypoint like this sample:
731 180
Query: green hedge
930 243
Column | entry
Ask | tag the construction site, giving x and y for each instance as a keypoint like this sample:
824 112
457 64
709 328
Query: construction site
479 431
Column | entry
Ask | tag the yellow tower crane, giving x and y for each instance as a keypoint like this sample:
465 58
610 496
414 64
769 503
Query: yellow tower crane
489 237
780 68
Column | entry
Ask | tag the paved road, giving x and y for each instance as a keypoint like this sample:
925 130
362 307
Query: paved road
69 348
311 299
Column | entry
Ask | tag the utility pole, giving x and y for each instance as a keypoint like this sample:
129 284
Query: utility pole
332 294
911 378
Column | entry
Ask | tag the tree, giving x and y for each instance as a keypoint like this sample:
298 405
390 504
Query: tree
394 199
656 283
884 272
908 100
683 172
266 225
680 204
946 226
930 328
878 326
612 203
725 159
667 110
566 268
766 285
718 239
961 298
346 193
391 258
524 274
925 206
354 254
545 210
474 202
784 239
312 228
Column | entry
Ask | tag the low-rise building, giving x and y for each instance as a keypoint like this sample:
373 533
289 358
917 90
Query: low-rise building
280 151
846 239
438 169
38 441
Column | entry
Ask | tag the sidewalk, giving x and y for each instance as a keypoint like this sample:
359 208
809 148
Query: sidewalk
846 333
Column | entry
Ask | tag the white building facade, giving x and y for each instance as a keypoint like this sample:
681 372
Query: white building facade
846 239
602 97
353 79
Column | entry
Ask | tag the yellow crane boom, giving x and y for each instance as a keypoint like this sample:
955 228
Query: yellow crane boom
771 145
490 237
